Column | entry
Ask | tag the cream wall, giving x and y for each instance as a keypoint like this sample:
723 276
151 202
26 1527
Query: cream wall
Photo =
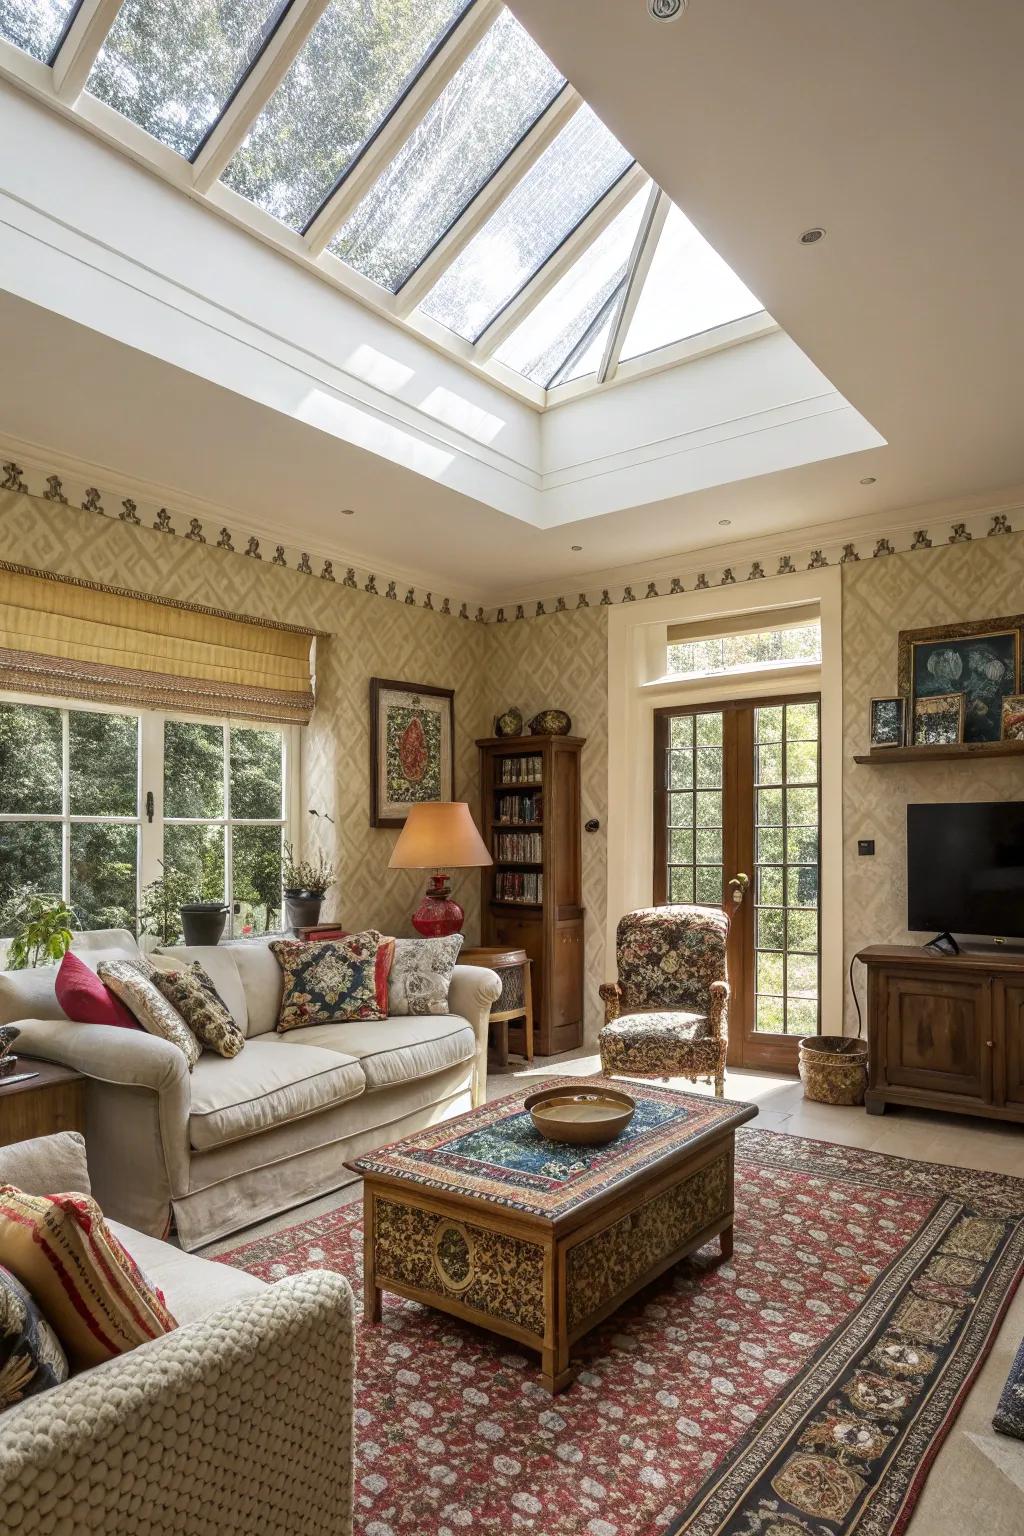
976 579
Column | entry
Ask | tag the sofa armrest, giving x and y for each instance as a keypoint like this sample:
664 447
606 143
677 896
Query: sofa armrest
47 1165
138 1101
473 989
241 1422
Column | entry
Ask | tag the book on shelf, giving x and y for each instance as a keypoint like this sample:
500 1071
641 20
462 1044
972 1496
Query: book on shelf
513 810
526 888
518 848
520 770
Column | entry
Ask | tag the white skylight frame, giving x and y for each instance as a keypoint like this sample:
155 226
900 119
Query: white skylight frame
60 84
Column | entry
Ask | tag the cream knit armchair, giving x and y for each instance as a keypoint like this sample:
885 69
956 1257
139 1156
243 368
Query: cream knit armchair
238 1423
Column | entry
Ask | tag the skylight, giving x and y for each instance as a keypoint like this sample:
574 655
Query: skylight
563 186
37 26
357 63
688 290
171 65
425 155
480 116
554 329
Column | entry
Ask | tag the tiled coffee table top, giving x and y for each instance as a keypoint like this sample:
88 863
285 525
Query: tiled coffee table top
494 1154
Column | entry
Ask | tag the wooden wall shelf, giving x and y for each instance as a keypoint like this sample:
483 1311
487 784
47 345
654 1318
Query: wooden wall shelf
961 753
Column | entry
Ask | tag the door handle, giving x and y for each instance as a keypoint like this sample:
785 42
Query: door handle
739 884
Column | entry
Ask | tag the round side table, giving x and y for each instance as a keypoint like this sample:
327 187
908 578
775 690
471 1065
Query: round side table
516 998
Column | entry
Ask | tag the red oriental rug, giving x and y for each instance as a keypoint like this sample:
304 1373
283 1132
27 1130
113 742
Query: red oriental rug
800 1389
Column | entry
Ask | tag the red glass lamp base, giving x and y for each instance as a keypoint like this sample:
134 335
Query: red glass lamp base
437 914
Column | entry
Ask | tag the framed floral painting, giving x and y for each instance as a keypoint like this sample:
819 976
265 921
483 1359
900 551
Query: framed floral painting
939 720
412 748
980 659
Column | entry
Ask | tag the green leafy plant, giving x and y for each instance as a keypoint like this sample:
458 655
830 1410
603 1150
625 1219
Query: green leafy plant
315 876
161 904
41 925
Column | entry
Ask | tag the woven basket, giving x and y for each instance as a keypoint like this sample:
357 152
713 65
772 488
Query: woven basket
833 1069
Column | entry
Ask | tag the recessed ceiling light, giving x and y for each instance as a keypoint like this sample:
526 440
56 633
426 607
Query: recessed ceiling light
666 10
724 522
812 236
868 479
348 511
576 547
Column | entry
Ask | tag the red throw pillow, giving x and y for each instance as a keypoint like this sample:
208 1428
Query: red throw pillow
86 1000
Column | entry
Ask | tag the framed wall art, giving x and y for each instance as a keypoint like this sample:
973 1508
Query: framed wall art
1013 717
412 748
938 720
980 659
887 722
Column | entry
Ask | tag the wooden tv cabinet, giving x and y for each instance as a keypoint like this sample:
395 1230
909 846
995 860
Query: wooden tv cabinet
946 1031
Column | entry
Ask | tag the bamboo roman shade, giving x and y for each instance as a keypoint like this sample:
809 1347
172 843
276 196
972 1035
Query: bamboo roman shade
59 636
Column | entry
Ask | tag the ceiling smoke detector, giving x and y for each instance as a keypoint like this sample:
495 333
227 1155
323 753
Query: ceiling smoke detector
667 10
812 236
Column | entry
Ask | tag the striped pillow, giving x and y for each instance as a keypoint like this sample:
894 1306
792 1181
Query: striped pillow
88 1287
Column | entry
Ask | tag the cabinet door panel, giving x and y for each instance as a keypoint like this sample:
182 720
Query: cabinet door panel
938 1036
1013 1043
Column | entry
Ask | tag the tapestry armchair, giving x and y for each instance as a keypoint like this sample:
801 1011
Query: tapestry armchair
667 1014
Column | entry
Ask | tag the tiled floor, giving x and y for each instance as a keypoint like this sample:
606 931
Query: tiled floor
977 1482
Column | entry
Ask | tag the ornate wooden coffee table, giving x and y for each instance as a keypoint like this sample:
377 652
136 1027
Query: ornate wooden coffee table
483 1218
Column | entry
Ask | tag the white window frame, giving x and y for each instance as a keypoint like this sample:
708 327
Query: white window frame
151 769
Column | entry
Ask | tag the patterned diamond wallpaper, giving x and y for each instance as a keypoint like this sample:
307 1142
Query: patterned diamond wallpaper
975 579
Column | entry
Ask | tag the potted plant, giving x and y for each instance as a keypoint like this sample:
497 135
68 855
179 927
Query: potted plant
167 911
41 926
306 882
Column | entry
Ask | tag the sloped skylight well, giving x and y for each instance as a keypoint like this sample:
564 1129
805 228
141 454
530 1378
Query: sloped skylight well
425 154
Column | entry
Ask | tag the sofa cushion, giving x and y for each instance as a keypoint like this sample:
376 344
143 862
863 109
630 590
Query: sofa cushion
261 978
130 980
191 992
270 1083
397 1050
86 999
421 974
333 980
31 994
192 1287
218 961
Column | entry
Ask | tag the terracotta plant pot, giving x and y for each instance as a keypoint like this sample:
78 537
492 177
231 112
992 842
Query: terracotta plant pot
834 1069
302 909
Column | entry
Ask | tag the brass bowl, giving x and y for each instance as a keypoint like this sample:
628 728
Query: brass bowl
582 1117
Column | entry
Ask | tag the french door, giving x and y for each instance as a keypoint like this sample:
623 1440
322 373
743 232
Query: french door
737 817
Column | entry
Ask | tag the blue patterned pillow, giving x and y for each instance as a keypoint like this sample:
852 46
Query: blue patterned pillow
30 1357
1009 1416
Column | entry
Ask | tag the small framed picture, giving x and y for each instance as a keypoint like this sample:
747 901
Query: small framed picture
1013 717
939 720
888 722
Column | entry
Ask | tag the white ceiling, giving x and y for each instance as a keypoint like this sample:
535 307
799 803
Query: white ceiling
897 127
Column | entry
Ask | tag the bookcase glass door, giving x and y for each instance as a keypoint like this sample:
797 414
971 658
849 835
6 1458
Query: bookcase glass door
737 811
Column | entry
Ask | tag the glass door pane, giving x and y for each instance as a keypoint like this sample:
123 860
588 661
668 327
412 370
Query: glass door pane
694 777
786 872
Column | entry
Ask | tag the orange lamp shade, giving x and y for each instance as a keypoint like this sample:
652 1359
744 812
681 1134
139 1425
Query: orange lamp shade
439 836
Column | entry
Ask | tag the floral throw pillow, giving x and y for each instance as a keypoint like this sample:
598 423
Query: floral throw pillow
131 981
191 992
333 981
422 973
31 1358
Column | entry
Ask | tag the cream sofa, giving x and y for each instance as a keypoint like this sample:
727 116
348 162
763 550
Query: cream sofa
234 1142
239 1422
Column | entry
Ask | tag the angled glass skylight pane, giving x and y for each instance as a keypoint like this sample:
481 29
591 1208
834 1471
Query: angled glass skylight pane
688 290
172 65
483 112
554 328
37 26
354 67
585 359
554 195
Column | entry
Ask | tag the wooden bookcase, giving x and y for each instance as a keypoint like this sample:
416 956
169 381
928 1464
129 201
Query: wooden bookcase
532 893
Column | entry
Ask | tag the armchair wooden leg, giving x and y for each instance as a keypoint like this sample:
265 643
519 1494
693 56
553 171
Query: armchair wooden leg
719 1085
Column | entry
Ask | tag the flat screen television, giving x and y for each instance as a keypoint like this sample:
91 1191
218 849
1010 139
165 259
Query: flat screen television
965 868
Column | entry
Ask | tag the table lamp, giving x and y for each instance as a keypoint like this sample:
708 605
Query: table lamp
439 836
